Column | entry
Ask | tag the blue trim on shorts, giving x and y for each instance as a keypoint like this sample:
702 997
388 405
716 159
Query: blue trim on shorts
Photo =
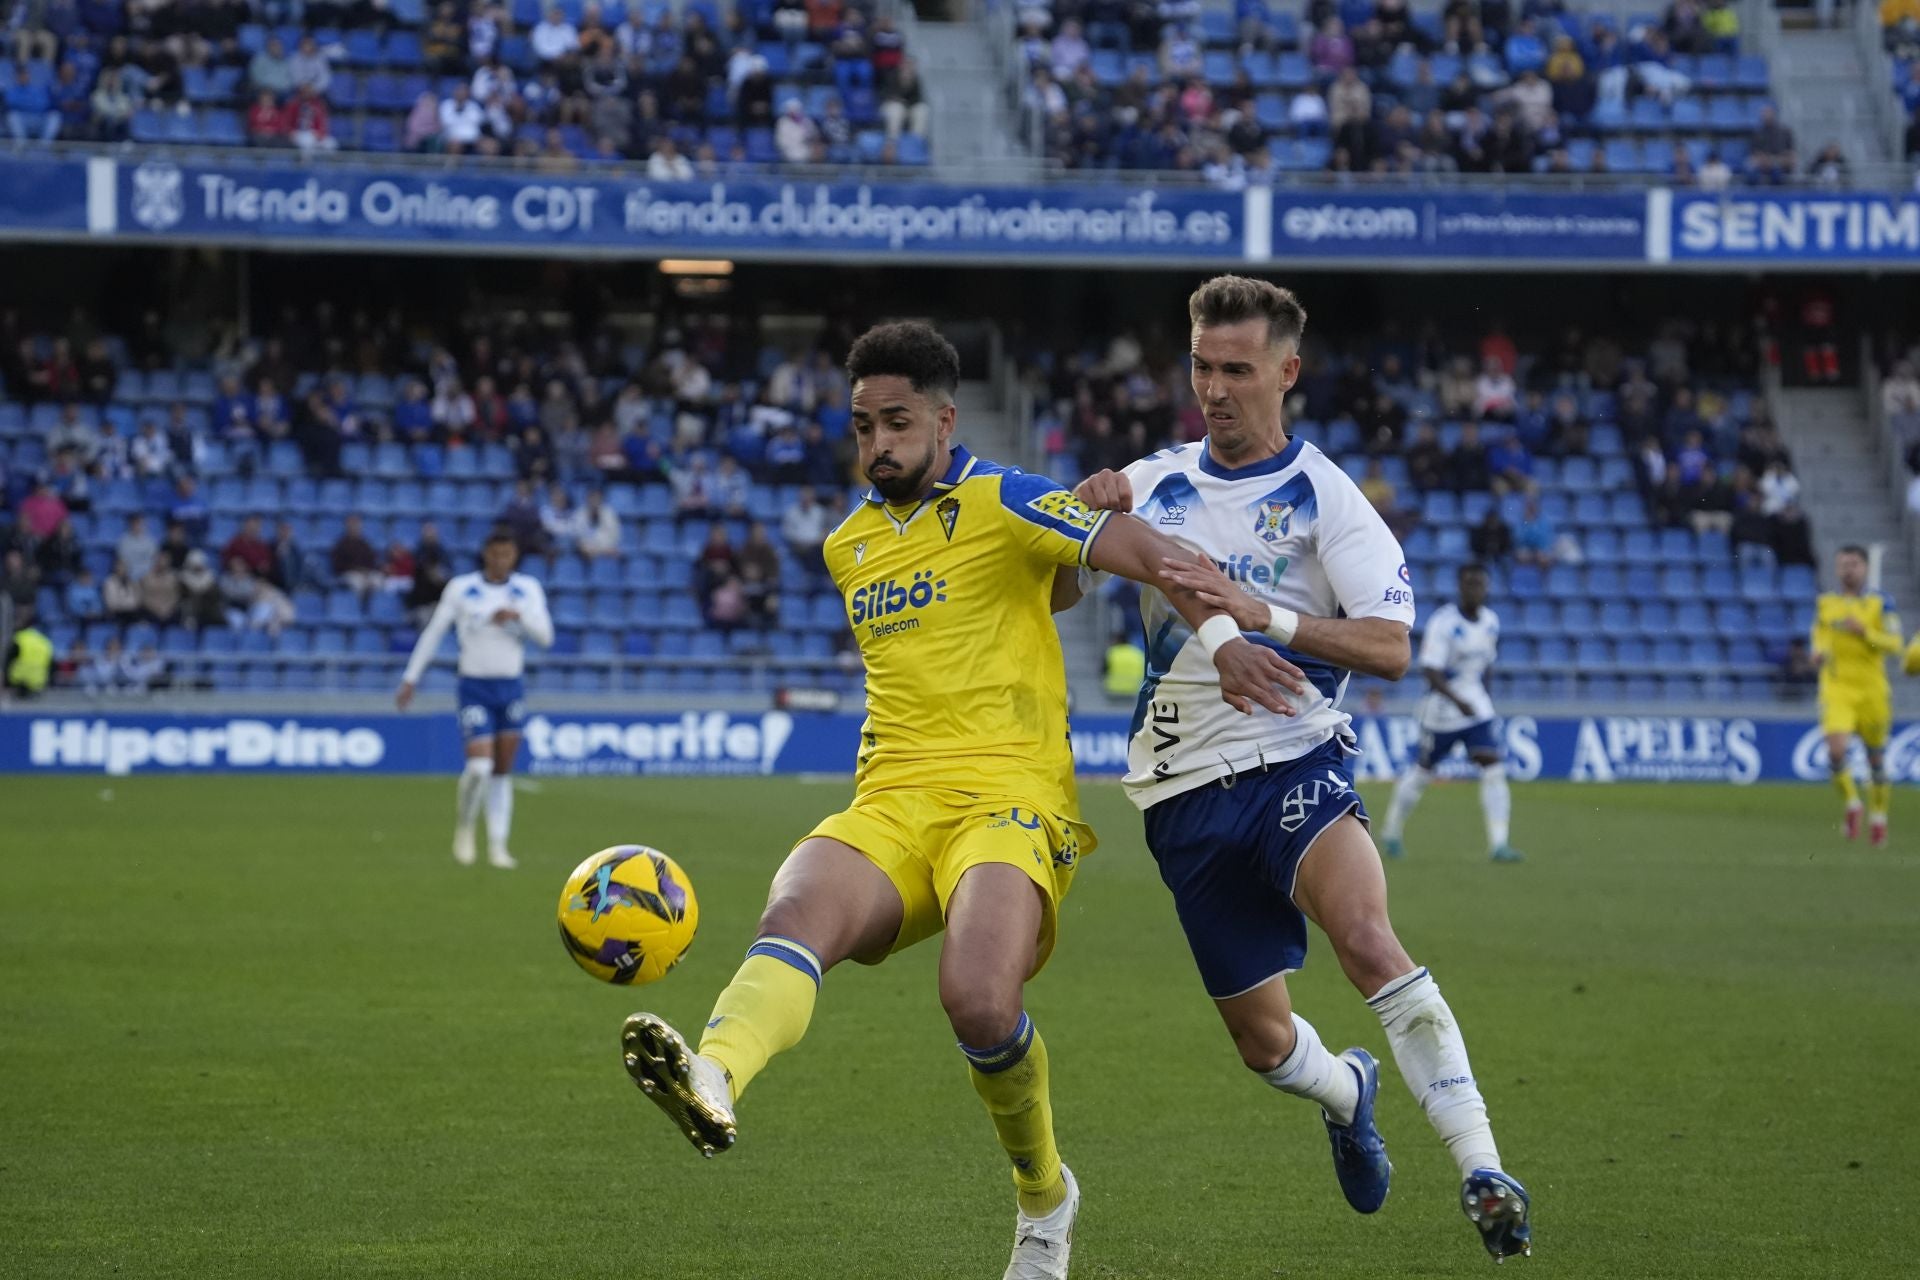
1229 853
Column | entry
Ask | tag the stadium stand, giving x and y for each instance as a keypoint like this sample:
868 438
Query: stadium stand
689 91
1371 85
352 496
1638 511
1900 29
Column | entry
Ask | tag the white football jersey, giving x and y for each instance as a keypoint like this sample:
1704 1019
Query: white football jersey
1463 648
1292 530
488 650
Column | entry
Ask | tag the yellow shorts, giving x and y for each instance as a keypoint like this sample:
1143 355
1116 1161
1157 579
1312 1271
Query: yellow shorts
1866 712
925 840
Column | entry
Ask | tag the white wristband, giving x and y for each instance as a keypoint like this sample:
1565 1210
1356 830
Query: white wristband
1216 631
1282 624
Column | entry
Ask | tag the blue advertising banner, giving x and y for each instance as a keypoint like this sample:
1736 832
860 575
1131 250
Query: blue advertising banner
43 195
735 215
1597 749
1447 225
1790 228
364 205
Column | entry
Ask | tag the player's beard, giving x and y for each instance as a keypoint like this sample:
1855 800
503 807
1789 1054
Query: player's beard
901 485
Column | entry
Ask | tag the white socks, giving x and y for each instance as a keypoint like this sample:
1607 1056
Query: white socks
471 793
1406 794
1311 1072
1496 802
1433 1058
499 812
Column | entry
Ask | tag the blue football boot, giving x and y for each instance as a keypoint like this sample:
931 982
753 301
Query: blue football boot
1359 1152
1498 1206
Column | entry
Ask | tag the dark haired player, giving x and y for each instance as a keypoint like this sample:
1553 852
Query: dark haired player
964 817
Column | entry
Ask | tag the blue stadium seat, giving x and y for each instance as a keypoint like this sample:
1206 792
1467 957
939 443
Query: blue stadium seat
1679 582
1617 620
1732 619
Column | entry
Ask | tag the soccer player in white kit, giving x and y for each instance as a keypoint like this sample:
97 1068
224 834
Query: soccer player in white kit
1461 643
494 613
1251 815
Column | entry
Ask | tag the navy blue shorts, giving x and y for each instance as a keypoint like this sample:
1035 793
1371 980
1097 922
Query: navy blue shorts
488 707
1229 854
1435 747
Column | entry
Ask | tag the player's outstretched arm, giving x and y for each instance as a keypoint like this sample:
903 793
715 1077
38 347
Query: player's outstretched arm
1375 646
425 647
1249 673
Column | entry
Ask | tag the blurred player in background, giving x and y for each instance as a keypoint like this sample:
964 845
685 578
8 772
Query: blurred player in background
965 815
1855 630
1253 819
494 614
1461 643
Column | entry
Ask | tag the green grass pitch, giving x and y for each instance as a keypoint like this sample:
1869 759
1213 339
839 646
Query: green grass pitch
267 1028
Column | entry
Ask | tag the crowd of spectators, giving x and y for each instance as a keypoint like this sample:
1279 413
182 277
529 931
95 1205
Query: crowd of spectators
1476 417
1486 86
683 92
705 413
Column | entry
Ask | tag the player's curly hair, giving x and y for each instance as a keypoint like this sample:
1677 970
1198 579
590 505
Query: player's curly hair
907 349
1233 299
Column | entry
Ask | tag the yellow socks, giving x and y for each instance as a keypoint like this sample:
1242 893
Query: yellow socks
1011 1078
764 1010
1879 796
1849 789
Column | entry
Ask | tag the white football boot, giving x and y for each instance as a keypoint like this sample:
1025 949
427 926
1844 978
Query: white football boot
694 1091
463 848
1041 1245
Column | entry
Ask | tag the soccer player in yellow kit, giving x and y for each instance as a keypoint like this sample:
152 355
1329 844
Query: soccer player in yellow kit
964 814
1854 632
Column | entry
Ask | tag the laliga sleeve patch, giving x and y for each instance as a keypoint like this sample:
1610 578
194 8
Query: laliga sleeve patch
1062 506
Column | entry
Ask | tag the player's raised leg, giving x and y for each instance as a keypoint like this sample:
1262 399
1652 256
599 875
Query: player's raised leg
993 927
828 903
1342 888
499 805
1227 855
1496 802
470 795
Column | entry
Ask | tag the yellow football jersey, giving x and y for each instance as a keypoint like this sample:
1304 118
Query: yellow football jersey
1856 663
949 602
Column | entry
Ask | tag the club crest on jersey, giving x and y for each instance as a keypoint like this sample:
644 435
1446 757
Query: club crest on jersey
1272 519
859 552
948 510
